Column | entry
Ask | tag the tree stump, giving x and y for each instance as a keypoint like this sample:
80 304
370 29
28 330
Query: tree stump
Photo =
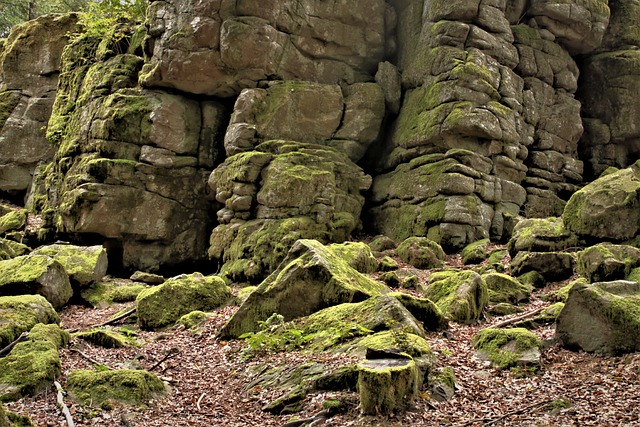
387 385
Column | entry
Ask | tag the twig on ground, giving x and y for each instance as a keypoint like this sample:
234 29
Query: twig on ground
5 351
518 318
108 322
200 400
95 362
172 352
63 407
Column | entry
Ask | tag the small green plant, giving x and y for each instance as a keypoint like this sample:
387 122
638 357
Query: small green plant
274 335
559 404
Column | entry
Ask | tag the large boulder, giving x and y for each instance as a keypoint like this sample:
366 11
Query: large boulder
607 262
460 295
312 277
607 208
33 364
421 252
278 193
20 313
36 274
601 317
506 289
83 264
164 304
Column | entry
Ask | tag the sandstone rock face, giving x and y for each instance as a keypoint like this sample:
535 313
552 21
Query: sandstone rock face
220 47
131 165
29 69
497 80
609 92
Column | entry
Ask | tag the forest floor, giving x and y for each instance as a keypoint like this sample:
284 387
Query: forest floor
209 382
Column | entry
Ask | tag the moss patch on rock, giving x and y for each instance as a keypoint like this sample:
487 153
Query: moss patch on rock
476 252
312 277
505 347
21 313
13 221
460 295
164 304
107 338
421 252
504 288
193 320
104 293
83 264
606 262
128 386
10 249
423 310
33 364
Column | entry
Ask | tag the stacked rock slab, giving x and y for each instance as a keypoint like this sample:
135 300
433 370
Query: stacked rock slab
29 69
291 147
489 124
131 164
609 94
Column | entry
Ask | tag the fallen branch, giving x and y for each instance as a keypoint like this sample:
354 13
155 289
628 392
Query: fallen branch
518 318
517 411
5 351
62 405
108 322
172 352
117 318
95 362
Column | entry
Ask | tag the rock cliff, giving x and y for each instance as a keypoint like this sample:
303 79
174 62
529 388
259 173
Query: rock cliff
226 130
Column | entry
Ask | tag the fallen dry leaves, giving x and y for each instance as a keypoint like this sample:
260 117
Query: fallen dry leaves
208 383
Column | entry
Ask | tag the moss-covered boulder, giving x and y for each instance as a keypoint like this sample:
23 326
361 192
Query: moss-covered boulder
504 288
601 317
387 264
506 348
607 262
13 221
107 338
33 364
21 313
281 192
193 320
553 266
423 310
421 252
10 249
541 235
83 264
460 295
387 385
476 252
36 274
312 277
382 243
126 386
164 304
607 208
104 293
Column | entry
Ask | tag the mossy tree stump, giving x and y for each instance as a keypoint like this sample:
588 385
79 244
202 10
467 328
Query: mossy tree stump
387 385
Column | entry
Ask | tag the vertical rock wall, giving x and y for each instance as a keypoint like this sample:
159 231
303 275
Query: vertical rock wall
29 69
489 125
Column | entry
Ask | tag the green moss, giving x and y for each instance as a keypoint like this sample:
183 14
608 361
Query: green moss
634 275
193 320
107 338
13 221
461 296
385 390
607 262
9 100
421 252
494 341
100 294
21 313
476 252
423 310
33 364
164 304
10 249
18 420
504 288
412 345
97 388
387 264
542 235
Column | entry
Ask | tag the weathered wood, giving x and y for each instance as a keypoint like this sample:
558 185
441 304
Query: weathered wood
63 407
387 385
